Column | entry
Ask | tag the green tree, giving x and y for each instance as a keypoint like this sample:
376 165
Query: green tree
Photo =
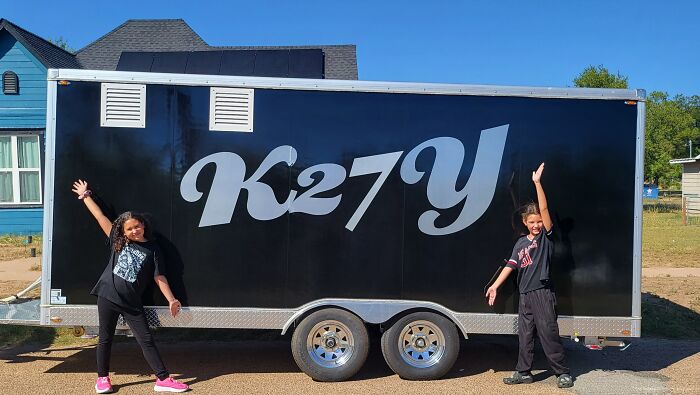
670 123
600 77
62 43
692 105
669 126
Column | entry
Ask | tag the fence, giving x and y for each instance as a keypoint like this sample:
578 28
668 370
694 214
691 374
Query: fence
690 207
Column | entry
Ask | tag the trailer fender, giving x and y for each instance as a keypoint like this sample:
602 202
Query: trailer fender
374 311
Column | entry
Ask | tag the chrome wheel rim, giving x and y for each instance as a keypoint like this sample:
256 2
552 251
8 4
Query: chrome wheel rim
330 344
422 344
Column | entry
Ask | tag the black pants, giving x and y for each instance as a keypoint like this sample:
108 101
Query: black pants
109 314
536 313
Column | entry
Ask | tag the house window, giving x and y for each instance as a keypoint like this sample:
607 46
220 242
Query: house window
20 175
10 83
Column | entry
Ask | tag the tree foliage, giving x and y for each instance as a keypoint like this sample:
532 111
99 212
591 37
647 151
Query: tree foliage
62 43
670 124
600 77
692 105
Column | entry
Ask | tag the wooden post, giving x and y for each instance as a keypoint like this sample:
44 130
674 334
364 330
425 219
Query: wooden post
684 208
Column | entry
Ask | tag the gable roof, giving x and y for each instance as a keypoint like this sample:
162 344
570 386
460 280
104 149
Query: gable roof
153 35
49 54
169 35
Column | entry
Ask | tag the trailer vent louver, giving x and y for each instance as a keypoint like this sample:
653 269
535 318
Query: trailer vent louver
231 109
123 106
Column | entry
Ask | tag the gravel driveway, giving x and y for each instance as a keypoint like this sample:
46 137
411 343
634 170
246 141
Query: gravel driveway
650 366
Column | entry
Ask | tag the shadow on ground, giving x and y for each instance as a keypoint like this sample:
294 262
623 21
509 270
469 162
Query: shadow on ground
201 355
664 318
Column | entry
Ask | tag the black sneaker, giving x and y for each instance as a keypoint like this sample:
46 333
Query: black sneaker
519 378
565 381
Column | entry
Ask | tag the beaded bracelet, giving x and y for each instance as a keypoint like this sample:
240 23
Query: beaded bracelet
85 194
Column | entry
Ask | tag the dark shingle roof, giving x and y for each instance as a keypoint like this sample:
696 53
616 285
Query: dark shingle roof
140 35
49 54
160 35
340 61
167 35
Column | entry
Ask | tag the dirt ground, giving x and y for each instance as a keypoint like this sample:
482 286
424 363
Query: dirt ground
678 285
16 275
684 291
647 365
24 269
671 272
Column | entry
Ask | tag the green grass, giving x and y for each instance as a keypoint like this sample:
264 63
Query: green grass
15 247
13 335
666 242
17 335
662 205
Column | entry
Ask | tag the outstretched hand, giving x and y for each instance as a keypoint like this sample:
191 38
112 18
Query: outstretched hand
537 174
175 307
491 295
79 187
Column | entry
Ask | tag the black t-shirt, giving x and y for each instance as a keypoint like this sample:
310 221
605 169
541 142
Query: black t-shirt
531 259
129 272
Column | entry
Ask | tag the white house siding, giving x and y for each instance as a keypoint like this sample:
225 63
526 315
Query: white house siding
691 187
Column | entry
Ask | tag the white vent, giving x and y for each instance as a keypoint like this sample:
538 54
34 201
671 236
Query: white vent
231 109
123 106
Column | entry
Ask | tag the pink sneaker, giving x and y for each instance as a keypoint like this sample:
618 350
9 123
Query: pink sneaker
103 385
170 385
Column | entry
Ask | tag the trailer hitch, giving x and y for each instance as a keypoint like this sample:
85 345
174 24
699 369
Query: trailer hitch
597 342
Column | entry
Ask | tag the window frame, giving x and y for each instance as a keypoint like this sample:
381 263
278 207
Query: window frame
15 170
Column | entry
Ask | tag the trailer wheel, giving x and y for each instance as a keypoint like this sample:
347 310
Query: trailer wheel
421 346
330 345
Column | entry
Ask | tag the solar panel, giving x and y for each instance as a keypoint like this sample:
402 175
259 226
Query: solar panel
135 61
238 63
208 62
272 63
287 63
306 63
169 62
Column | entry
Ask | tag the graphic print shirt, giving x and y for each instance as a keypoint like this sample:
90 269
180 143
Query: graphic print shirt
129 272
531 259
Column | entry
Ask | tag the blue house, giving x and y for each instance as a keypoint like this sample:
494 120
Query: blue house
24 60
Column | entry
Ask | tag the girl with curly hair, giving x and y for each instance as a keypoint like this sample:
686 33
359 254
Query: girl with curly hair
135 261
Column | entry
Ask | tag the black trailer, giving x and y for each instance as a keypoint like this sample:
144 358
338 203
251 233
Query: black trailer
319 206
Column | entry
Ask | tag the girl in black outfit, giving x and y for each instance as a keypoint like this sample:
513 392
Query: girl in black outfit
530 261
135 261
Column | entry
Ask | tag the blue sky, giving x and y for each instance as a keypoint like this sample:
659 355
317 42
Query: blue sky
541 43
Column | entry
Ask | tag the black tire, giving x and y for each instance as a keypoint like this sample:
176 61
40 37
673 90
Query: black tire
421 346
330 345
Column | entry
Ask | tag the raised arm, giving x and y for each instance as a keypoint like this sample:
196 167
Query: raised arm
80 187
542 198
